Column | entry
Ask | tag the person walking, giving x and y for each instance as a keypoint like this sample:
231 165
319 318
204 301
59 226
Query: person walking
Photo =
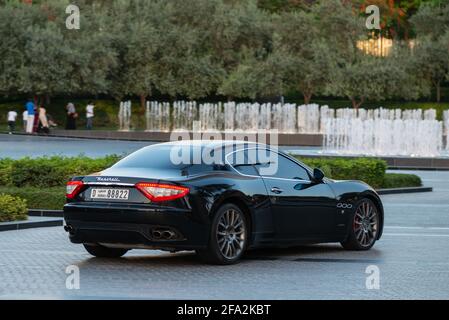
30 119
36 119
24 120
43 121
89 115
71 117
12 115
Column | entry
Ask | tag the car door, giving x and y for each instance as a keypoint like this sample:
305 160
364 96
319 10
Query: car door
302 209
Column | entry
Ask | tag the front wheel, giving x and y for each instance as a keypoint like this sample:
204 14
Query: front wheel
228 237
104 252
364 227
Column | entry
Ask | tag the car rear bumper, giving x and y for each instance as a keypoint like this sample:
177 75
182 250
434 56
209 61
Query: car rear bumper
135 226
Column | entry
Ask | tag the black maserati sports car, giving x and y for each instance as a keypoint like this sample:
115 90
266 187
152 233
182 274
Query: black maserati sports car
218 198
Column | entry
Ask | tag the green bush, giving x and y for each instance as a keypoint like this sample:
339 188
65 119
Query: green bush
55 171
401 180
39 198
371 171
12 208
5 171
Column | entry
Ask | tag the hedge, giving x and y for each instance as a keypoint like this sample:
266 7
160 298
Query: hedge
371 171
12 208
41 181
401 180
51 171
39 198
5 171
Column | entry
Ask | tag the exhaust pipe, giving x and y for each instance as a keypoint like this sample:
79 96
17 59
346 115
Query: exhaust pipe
163 234
156 234
168 235
68 228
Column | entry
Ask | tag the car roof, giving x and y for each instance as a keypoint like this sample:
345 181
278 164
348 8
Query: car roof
213 144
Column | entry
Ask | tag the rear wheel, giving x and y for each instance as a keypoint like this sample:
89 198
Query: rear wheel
228 237
104 252
364 227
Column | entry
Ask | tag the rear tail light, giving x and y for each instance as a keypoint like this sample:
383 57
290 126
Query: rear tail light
161 192
73 188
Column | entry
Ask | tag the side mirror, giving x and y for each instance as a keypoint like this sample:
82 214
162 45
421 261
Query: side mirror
318 175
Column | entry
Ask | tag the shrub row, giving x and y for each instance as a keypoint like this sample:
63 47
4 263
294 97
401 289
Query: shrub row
401 180
371 171
12 208
38 198
49 171
41 181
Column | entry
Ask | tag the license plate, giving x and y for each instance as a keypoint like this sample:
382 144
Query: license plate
109 194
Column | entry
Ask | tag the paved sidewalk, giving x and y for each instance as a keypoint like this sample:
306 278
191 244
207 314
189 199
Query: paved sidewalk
412 257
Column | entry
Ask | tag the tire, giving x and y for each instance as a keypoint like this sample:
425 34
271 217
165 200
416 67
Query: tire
228 236
104 252
364 228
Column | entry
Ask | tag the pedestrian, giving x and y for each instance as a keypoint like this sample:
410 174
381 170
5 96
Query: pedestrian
30 119
36 119
24 120
12 115
89 115
71 117
43 121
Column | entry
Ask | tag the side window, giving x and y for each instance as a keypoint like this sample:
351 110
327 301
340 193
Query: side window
281 167
241 162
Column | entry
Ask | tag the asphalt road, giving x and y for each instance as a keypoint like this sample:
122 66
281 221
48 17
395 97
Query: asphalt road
412 259
18 146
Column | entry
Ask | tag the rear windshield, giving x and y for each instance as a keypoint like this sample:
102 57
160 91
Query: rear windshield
148 157
168 157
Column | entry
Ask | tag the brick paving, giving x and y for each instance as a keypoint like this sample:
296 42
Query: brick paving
413 259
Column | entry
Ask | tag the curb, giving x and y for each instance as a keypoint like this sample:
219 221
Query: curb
45 213
404 190
21 225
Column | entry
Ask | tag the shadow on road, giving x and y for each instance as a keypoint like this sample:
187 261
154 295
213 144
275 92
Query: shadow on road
312 253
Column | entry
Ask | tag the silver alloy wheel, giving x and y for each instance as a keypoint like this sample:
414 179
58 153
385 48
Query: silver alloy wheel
366 224
231 234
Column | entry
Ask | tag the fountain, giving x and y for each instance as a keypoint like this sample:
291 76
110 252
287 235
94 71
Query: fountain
385 135
382 131
157 116
124 116
446 127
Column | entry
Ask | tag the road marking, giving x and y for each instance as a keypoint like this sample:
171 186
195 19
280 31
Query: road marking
419 205
416 235
416 228
367 261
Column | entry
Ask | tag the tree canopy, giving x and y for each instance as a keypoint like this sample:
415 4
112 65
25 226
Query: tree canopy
237 49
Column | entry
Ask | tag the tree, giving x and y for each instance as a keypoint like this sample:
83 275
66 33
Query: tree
237 30
432 60
298 47
283 5
43 58
254 78
12 46
431 52
365 78
137 29
432 19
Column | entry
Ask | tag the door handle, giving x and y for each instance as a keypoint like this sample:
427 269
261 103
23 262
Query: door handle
276 190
